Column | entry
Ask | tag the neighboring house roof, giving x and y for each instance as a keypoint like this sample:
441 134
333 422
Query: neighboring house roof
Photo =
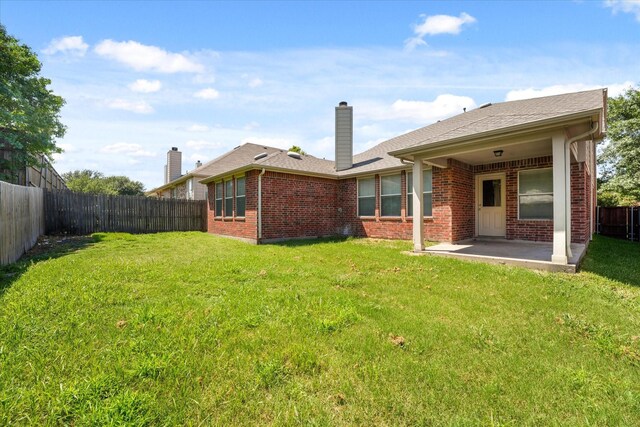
499 118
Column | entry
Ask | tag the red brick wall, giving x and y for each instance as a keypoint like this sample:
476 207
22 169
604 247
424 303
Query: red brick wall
580 203
535 230
461 191
382 227
302 206
298 206
247 227
542 230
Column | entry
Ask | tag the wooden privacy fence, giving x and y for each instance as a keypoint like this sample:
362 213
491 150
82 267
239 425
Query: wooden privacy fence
620 222
21 220
79 213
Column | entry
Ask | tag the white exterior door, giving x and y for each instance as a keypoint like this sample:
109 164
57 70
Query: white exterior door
491 219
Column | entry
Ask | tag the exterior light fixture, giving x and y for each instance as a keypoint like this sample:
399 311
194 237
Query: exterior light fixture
498 153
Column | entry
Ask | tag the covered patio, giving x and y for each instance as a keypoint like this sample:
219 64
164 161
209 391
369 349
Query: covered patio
534 255
516 181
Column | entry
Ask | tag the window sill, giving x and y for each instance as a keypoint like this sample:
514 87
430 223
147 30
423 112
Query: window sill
390 218
536 220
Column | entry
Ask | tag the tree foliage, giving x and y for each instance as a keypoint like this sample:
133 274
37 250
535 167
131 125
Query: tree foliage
29 112
94 182
619 161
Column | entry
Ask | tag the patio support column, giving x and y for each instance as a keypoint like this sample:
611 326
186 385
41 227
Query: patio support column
561 194
418 205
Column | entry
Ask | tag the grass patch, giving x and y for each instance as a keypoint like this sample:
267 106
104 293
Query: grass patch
188 328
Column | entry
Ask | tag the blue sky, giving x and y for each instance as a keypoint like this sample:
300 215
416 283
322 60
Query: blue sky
141 77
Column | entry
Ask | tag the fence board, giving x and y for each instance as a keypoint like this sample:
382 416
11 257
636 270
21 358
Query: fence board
21 220
619 222
78 213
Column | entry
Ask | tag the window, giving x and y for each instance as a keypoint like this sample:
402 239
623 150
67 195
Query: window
190 189
218 199
390 195
228 198
240 196
427 197
366 197
535 194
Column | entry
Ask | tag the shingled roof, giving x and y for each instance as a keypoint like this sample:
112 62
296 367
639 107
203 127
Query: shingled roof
276 159
502 117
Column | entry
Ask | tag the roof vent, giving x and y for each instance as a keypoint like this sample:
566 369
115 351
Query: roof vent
260 156
294 155
488 104
174 148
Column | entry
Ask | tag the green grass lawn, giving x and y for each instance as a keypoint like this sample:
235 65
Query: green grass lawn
188 328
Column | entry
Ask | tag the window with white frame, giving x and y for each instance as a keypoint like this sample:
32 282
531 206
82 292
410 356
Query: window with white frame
535 194
366 196
228 198
240 196
427 195
219 198
390 195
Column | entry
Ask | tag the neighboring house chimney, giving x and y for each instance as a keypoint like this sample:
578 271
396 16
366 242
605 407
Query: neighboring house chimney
174 164
198 164
344 136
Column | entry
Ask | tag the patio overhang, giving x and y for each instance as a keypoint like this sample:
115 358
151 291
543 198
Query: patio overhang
564 140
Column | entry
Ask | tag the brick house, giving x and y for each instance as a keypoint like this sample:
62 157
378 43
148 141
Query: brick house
519 170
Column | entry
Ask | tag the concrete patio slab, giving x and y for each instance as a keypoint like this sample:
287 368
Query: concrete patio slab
519 253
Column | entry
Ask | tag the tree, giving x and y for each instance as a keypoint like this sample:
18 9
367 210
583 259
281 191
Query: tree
619 160
94 182
297 149
29 112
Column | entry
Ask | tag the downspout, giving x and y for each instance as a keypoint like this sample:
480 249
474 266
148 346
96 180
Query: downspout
260 204
567 179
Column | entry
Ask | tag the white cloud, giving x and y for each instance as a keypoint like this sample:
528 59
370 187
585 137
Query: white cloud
133 150
140 107
147 58
615 89
437 24
71 44
419 112
251 126
205 78
197 128
625 6
202 144
145 86
253 83
208 93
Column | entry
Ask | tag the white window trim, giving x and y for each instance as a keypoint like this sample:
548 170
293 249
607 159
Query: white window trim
358 196
518 199
215 199
410 215
226 197
380 188
235 195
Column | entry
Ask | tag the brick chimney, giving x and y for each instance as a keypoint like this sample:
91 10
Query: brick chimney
344 136
173 169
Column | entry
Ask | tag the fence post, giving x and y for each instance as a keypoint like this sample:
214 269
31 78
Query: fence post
632 239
